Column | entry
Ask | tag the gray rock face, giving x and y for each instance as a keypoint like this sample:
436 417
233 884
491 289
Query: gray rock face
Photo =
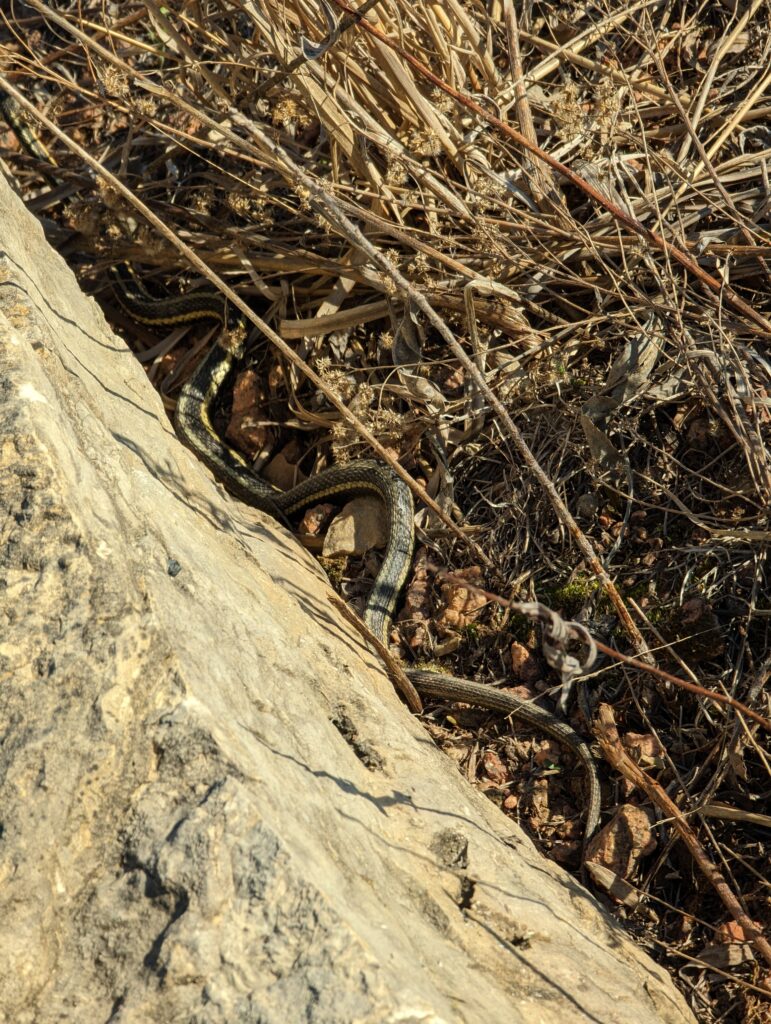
213 807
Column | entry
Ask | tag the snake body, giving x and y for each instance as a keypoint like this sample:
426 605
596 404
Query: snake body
195 425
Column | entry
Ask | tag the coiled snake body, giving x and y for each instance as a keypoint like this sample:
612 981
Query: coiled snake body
194 421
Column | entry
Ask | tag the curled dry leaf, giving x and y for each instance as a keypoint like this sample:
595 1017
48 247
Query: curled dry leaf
494 768
646 749
460 605
622 843
245 428
525 667
316 520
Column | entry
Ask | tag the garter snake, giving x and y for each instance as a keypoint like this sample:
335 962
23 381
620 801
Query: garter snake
195 425
24 132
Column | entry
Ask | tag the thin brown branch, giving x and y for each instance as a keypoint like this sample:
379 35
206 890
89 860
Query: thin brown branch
613 750
718 698
394 669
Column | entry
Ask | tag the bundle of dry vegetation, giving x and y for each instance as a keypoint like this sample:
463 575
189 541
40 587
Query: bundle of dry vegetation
526 248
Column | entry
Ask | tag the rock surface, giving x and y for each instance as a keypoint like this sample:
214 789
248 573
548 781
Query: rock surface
213 807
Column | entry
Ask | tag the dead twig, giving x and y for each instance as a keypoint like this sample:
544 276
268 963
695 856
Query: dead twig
613 750
394 669
624 659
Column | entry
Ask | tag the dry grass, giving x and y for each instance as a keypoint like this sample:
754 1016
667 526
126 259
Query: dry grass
572 362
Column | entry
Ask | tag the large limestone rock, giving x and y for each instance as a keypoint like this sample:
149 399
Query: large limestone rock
213 807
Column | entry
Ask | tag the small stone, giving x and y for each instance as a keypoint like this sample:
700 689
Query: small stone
282 470
360 526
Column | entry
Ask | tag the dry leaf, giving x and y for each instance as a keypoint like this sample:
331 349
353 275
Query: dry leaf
624 840
461 606
525 667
